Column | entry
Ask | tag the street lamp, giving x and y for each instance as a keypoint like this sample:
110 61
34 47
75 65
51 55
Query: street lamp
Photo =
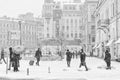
19 22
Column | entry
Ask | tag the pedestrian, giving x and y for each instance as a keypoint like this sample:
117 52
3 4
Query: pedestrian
108 59
68 57
82 59
2 56
15 63
11 57
38 54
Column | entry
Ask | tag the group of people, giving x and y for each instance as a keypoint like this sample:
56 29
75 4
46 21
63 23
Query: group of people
13 59
83 58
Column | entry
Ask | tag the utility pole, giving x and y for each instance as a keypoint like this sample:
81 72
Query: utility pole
20 32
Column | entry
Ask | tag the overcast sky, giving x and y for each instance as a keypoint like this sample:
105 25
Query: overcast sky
13 8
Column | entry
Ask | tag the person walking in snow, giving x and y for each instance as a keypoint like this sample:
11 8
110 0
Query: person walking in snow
15 62
82 59
68 57
108 59
38 54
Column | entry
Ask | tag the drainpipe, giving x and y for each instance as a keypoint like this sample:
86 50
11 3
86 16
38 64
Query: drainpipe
117 26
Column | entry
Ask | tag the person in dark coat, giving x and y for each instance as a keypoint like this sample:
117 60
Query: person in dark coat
2 56
68 57
38 54
82 59
15 63
108 59
11 57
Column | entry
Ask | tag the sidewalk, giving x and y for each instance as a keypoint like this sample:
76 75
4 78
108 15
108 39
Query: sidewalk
60 71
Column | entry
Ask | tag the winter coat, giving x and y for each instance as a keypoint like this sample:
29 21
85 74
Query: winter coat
107 57
38 54
68 55
82 56
11 55
16 58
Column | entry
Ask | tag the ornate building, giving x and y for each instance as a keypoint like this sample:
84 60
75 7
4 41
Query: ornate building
64 21
107 30
90 6
25 31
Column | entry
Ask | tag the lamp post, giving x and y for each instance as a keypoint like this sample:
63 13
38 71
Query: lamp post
19 22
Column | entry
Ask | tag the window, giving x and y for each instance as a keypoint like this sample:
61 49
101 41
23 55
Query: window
70 7
48 35
67 21
67 35
63 35
67 27
80 35
72 35
93 39
75 35
73 7
92 27
63 27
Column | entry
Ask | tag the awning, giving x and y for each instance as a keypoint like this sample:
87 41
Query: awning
118 41
109 42
95 46
98 45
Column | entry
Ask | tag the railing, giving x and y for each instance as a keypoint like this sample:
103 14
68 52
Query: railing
103 22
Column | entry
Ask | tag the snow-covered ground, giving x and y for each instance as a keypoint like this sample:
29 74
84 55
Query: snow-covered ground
60 71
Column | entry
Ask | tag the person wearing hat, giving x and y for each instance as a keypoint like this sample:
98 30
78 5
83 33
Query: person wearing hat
68 57
108 59
82 58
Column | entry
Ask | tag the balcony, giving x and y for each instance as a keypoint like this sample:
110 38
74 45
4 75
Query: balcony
103 22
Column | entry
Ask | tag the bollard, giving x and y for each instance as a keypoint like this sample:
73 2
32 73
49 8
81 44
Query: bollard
49 69
27 71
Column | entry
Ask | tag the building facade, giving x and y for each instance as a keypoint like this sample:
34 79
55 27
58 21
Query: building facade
31 30
65 22
90 6
20 31
47 14
107 31
7 26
